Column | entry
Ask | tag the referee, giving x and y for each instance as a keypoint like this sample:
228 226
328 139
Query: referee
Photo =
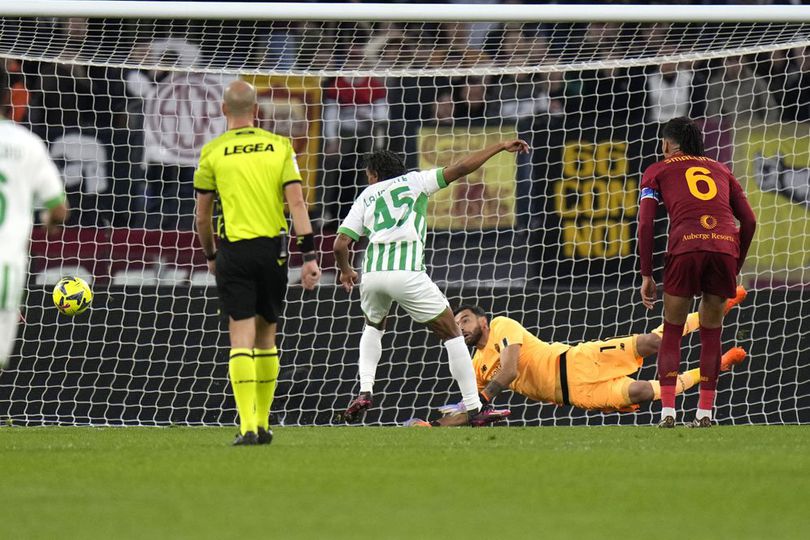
252 172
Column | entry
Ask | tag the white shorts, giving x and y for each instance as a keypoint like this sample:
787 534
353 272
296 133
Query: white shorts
12 285
9 323
414 291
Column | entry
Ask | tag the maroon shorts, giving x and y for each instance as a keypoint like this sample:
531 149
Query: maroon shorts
691 274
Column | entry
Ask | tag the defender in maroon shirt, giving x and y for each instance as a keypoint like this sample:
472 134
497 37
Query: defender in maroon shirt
704 254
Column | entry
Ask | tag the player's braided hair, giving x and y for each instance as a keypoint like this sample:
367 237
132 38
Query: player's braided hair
686 134
385 163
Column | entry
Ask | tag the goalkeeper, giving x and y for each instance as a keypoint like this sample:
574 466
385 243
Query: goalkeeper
592 375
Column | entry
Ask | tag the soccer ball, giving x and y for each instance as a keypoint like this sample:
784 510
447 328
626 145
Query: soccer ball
72 296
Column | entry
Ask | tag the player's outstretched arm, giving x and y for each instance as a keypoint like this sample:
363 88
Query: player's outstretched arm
460 419
348 276
310 272
450 420
507 373
473 161
505 376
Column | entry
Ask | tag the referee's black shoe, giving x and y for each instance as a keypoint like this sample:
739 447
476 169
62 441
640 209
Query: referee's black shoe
265 436
248 439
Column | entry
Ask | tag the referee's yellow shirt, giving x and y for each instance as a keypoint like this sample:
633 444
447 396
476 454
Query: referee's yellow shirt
248 168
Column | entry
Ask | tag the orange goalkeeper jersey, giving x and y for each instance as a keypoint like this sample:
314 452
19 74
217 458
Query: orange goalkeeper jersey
537 364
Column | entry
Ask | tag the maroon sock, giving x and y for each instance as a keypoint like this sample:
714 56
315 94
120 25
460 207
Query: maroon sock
710 347
706 401
668 396
669 361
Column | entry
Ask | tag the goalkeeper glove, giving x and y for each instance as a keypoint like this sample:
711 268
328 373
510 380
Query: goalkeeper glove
415 422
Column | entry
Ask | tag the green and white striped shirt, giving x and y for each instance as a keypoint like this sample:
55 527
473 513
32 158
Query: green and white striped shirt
28 179
393 215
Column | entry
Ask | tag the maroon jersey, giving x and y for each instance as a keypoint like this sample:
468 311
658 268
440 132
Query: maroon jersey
699 194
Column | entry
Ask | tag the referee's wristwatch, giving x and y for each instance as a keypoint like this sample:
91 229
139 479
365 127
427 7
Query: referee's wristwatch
211 257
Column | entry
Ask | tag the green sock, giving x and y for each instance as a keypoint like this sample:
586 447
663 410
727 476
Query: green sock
267 366
243 380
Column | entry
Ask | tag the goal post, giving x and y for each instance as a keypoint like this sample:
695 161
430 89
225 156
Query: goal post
125 94
373 12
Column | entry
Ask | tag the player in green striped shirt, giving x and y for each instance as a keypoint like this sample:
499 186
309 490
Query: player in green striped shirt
28 179
392 213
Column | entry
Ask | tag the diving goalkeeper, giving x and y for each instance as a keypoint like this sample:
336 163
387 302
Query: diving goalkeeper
592 375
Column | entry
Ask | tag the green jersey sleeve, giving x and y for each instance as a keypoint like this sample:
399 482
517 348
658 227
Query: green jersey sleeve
352 226
428 182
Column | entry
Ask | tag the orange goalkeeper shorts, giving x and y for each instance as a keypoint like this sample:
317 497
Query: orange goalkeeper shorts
598 373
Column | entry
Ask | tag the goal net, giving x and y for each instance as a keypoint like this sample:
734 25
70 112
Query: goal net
125 104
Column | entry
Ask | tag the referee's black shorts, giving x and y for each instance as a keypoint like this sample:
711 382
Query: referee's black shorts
252 278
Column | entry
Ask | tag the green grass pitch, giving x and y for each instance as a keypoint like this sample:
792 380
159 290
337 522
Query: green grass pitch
610 482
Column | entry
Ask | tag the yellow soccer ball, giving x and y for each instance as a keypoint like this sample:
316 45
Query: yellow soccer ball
72 295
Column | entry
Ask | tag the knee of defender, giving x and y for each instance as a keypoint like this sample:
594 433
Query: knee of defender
445 326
